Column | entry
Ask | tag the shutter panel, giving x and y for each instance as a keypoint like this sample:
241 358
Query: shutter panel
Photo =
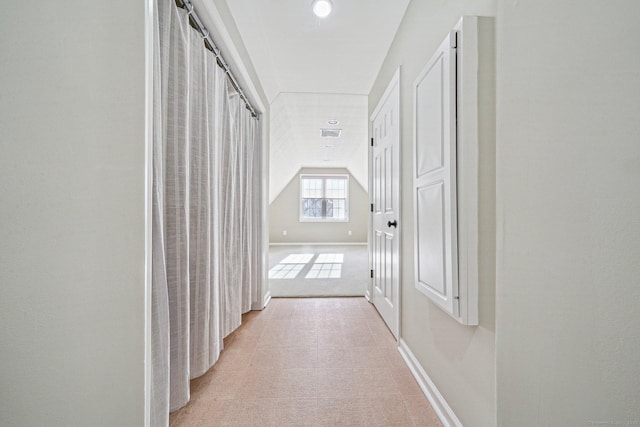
435 211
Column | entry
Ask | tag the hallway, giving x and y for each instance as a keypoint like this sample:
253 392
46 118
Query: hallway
308 362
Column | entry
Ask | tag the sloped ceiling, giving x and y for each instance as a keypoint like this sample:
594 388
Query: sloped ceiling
295 51
296 120
313 70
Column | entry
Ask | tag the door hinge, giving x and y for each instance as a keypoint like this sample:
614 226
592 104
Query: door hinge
372 142
372 274
371 207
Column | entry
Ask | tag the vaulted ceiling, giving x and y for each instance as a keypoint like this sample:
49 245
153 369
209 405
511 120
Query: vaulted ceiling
314 70
295 51
296 141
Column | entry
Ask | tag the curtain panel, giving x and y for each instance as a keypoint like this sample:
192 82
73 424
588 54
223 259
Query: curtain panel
206 246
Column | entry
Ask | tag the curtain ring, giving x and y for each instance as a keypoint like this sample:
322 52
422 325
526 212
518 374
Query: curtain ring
205 33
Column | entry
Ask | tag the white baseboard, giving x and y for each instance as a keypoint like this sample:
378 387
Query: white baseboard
318 244
267 298
367 295
257 306
440 406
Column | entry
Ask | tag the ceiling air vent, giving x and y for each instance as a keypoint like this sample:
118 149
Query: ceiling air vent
331 133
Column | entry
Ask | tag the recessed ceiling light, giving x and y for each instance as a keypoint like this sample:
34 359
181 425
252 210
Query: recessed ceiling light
322 8
328 146
333 122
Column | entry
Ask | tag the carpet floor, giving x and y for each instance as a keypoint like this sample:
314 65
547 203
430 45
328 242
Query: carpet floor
308 362
318 270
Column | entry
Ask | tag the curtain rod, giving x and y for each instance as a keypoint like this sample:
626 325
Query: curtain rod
210 45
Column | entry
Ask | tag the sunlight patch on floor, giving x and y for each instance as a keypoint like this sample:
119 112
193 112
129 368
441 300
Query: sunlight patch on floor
325 266
330 258
325 271
298 259
285 271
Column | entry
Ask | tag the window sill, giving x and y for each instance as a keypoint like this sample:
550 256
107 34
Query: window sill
323 220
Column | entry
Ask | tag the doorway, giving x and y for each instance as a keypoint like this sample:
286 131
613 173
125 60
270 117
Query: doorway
318 195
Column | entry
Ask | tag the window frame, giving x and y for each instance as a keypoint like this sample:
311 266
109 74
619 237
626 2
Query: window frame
323 177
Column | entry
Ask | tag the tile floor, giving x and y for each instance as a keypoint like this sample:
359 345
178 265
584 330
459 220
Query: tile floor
308 362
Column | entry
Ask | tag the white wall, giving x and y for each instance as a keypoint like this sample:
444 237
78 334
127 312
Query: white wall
72 213
459 359
284 214
568 213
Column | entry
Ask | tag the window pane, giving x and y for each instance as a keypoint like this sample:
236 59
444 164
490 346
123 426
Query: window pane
312 188
336 188
324 197
336 208
312 208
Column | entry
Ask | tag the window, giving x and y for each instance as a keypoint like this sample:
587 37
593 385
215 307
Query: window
324 198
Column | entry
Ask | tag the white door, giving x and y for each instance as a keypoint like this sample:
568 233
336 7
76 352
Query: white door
385 198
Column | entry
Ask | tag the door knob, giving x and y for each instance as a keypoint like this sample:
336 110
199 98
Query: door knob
393 224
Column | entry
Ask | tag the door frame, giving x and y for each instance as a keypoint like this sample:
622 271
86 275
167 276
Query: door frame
395 81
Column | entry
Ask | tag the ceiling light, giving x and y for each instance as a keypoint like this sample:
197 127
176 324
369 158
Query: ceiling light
322 8
333 122
328 146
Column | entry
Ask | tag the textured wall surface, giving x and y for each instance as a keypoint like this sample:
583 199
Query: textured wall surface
72 231
568 180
